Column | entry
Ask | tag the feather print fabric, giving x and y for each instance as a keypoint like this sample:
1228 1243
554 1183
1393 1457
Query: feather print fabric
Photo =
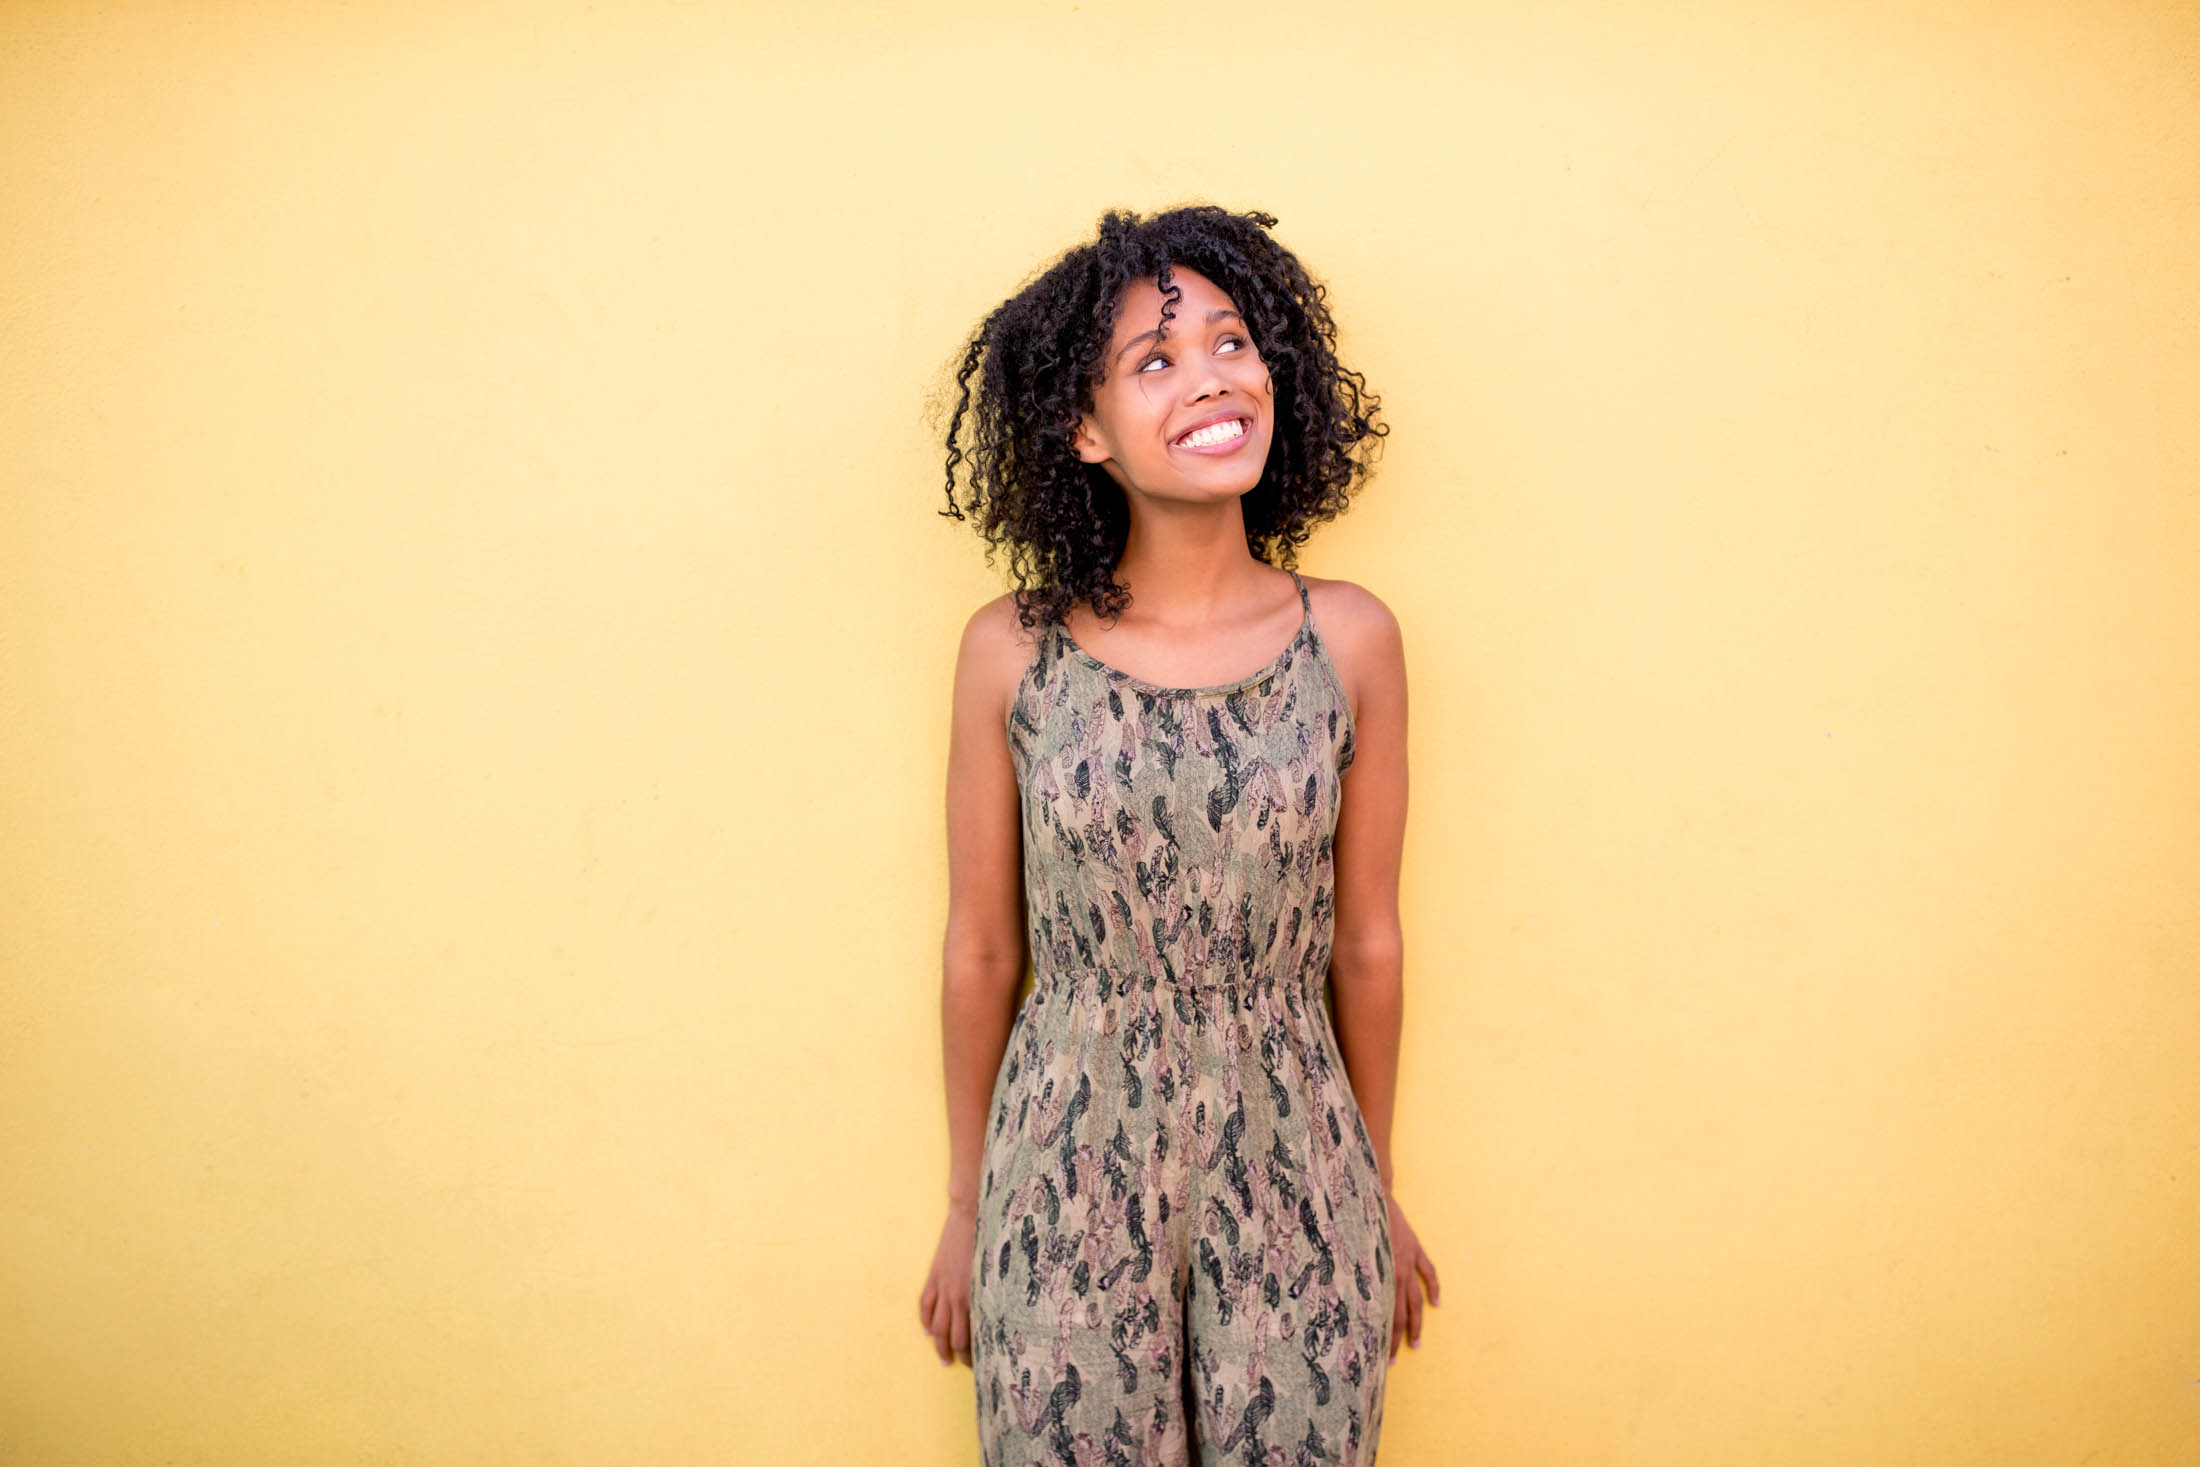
1183 1249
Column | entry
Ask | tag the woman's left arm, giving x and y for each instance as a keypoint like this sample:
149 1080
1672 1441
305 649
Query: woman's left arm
1367 959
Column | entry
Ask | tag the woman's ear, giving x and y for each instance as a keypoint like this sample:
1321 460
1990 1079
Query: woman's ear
1085 439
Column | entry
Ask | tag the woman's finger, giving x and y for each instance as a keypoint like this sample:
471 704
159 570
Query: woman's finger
924 1303
938 1329
1413 1313
961 1338
1435 1291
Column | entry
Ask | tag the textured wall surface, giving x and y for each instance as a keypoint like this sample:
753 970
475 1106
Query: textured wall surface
474 649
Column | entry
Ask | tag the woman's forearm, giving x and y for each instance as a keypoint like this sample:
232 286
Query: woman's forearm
1368 989
977 1010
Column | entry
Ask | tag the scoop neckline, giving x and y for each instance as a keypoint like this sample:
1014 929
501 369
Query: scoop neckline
1274 665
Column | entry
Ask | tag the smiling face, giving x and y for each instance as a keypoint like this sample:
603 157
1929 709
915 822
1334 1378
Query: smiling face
1186 416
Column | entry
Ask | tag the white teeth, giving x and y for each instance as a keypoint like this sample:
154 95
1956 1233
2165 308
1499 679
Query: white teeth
1221 432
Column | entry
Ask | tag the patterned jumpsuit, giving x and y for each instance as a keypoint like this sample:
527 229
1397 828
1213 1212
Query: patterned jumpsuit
1183 1247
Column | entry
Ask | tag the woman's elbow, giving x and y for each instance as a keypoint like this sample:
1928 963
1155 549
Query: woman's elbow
1371 956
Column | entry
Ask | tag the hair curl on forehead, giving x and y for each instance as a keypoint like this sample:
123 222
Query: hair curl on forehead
1030 369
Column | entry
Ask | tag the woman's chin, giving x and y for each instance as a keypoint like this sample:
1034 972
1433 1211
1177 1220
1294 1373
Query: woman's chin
1229 477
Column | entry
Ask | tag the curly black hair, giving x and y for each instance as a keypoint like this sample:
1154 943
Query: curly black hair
1039 356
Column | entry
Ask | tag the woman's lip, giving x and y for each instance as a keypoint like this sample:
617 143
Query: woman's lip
1227 445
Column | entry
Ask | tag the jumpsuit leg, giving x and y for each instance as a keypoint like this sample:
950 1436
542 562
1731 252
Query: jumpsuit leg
1076 1287
1290 1300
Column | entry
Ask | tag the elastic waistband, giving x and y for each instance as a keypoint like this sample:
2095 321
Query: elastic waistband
1122 981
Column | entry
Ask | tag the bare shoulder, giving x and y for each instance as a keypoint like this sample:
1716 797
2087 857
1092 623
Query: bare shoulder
994 635
996 650
1359 628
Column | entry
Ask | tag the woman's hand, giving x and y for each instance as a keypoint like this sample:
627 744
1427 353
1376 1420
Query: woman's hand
1409 1265
944 1309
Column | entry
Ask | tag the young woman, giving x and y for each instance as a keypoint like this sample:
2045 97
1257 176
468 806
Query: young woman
1171 1214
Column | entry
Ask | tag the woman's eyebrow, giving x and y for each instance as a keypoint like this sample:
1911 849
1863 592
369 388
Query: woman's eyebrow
1218 313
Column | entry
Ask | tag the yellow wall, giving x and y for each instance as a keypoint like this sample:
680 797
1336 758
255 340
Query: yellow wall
477 640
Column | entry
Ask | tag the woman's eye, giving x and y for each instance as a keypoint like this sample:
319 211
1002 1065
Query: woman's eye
1241 343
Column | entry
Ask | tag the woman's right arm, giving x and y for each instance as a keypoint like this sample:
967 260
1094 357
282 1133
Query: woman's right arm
982 958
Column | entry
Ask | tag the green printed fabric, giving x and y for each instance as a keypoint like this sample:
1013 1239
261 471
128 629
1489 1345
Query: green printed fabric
1183 1243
